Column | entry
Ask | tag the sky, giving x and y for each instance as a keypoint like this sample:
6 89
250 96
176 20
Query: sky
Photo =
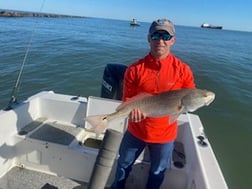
231 14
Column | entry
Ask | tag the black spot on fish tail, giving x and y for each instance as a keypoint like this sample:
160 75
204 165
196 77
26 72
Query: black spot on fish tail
104 118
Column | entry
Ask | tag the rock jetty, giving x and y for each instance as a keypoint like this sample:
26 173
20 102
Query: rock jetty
10 13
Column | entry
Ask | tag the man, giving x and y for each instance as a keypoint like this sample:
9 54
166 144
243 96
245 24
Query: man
157 72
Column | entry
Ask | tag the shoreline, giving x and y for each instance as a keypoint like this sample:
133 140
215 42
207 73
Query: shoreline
13 13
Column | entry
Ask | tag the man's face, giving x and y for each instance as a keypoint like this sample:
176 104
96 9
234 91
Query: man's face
160 43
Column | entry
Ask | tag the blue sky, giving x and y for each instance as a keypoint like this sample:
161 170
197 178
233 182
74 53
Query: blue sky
231 14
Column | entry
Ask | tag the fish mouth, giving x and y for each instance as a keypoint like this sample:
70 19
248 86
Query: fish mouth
210 96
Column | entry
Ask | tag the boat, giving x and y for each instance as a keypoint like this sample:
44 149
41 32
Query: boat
206 25
134 22
46 143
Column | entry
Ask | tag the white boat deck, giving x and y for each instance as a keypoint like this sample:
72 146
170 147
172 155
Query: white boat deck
44 144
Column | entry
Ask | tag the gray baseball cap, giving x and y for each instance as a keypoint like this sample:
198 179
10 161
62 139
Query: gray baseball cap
162 24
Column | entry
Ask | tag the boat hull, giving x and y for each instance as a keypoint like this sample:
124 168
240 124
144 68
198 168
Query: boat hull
212 27
206 25
132 24
47 134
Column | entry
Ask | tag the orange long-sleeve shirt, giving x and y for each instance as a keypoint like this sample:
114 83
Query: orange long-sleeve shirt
153 76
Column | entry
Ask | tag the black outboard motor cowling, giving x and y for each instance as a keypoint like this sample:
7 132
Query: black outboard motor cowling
112 83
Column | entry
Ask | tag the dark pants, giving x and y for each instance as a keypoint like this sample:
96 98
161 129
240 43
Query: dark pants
130 149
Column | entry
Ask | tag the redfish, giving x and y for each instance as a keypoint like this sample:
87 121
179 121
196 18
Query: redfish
170 103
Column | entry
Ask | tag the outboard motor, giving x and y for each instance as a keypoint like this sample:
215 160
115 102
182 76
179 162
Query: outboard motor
112 83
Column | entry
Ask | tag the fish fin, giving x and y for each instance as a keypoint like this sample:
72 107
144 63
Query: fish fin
133 99
98 122
174 117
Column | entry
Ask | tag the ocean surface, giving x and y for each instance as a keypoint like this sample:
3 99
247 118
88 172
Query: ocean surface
68 55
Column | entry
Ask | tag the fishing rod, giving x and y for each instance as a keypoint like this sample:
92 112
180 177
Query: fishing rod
13 99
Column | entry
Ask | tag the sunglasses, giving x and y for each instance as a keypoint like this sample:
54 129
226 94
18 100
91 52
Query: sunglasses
158 36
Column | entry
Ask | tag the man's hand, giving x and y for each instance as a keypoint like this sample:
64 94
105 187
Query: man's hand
136 115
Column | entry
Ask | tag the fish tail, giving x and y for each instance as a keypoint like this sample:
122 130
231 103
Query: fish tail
98 122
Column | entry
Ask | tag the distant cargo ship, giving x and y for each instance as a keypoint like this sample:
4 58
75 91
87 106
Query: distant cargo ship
206 25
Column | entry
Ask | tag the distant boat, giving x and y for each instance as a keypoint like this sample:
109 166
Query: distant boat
134 22
206 25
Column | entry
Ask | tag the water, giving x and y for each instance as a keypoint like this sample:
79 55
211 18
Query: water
69 55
